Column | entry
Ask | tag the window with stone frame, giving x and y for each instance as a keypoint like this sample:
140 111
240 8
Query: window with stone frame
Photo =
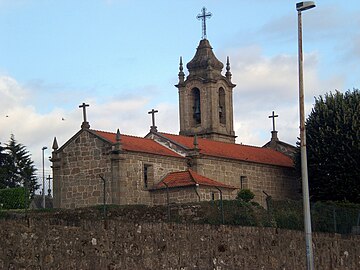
148 175
243 182
222 106
196 105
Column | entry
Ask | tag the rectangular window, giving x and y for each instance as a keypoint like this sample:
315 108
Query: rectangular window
148 175
243 182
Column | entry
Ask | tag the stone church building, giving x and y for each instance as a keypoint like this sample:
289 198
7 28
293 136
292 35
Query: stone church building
202 163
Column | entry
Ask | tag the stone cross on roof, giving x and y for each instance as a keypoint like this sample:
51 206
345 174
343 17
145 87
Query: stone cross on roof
85 124
202 16
153 127
273 119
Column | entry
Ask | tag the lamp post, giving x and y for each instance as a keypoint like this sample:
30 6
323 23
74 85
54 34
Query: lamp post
302 6
43 167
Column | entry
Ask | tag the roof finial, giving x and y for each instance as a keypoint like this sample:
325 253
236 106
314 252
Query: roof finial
273 132
116 148
273 119
181 73
55 144
85 124
153 127
202 16
118 135
228 73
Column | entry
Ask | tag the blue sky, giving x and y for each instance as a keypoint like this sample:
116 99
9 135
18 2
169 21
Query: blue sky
122 58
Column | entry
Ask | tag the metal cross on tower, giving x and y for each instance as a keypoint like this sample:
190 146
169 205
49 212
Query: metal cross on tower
153 127
273 119
85 123
202 16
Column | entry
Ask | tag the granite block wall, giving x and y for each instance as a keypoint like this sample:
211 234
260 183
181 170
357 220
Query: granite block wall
46 244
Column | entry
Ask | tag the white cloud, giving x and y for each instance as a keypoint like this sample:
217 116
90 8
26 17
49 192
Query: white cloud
36 129
11 92
266 84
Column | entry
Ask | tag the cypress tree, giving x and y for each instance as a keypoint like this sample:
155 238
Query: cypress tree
333 147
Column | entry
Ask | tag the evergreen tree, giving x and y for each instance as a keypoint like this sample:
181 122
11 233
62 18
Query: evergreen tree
333 147
4 161
20 169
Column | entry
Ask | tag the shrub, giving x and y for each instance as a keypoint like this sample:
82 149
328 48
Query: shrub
245 195
13 198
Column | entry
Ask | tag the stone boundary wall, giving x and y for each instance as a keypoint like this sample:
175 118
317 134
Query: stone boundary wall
49 244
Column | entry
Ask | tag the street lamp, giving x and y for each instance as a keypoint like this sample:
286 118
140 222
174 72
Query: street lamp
302 6
43 167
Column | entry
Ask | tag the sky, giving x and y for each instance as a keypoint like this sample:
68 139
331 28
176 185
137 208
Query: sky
122 58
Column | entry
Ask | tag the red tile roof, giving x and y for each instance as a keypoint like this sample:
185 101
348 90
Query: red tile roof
137 144
189 178
234 151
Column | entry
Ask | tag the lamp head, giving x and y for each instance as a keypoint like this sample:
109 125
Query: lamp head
44 148
301 6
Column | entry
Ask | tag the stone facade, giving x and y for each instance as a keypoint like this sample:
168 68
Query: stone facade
77 168
81 165
278 182
133 190
46 244
76 171
190 194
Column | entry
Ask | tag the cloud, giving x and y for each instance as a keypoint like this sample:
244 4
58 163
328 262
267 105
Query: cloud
270 83
11 92
35 127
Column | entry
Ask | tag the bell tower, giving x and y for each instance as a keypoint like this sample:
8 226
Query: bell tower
206 96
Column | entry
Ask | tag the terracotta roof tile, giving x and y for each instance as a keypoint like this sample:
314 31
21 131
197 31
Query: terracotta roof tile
189 178
137 144
234 151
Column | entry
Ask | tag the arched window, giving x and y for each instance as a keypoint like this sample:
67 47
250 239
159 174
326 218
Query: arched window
222 108
196 106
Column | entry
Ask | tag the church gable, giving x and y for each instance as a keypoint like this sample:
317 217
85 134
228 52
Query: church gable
76 169
278 145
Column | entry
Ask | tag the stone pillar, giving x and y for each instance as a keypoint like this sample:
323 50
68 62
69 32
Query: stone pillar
117 174
57 178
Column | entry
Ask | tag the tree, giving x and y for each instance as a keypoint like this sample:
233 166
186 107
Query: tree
18 168
333 147
4 161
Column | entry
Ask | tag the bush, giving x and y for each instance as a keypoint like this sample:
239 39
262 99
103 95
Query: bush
13 198
336 217
288 214
245 195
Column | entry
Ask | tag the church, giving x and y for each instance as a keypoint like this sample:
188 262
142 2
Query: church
201 163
